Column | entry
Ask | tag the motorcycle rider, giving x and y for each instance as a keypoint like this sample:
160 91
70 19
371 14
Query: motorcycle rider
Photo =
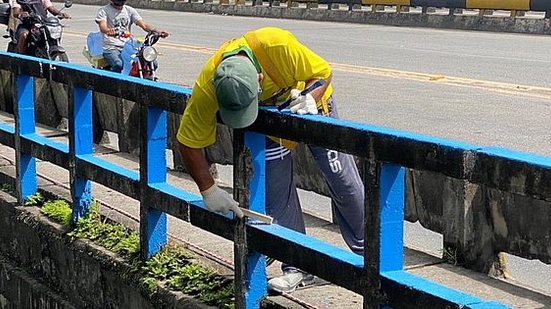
114 19
22 12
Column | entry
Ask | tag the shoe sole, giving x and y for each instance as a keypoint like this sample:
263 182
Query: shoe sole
304 283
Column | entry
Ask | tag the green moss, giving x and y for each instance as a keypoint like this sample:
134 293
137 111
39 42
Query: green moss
172 265
58 210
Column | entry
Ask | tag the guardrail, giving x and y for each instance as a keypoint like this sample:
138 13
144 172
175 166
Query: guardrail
378 276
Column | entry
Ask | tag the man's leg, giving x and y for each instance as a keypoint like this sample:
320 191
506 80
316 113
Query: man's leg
22 33
347 191
114 58
282 201
283 205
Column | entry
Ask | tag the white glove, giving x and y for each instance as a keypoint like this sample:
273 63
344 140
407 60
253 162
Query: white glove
303 104
219 200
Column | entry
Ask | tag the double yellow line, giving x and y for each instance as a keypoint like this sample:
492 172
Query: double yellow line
499 87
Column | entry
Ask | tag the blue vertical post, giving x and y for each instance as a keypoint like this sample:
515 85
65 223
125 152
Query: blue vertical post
256 262
25 124
156 172
80 143
392 190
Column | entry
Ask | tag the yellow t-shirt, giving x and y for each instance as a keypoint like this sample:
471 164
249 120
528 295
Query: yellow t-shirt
296 63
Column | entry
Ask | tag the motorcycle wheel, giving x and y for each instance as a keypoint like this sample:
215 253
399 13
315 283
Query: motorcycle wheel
60 57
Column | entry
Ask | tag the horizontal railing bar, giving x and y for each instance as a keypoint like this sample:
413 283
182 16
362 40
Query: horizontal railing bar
405 290
308 253
415 151
110 175
45 149
7 135
389 145
163 95
172 200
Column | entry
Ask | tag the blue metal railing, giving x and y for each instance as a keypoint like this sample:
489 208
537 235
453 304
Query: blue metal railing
378 276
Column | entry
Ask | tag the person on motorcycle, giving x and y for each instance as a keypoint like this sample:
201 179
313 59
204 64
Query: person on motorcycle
22 12
114 20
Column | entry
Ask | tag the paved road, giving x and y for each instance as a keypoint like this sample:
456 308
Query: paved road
477 87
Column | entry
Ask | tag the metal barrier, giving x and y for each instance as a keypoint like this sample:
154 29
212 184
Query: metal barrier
378 276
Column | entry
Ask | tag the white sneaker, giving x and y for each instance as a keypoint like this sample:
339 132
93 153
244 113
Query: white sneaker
289 281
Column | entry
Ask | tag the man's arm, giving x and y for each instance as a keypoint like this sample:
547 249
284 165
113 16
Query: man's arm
147 28
214 198
197 166
318 92
104 28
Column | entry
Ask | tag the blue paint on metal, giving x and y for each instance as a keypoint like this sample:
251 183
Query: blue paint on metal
532 159
28 175
156 172
392 217
257 144
156 145
169 189
117 169
25 111
347 257
256 262
82 198
83 139
156 227
7 128
46 142
367 128
25 104
102 73
83 121
256 280
429 287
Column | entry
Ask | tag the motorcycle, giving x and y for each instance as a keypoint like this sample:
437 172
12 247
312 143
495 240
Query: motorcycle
139 56
44 40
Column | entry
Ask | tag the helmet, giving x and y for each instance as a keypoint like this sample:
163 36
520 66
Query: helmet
118 2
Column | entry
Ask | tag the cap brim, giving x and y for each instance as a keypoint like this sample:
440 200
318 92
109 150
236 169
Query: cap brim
241 118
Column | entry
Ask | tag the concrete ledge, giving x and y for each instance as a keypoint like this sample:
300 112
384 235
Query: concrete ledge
464 22
87 275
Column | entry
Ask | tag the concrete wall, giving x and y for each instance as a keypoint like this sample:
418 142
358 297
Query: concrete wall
467 22
83 274
19 290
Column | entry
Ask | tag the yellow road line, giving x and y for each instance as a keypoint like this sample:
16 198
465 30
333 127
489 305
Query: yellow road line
499 87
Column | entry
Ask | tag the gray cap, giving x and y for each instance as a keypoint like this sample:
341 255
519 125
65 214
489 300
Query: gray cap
236 85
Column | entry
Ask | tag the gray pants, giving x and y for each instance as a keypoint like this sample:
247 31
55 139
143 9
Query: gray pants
341 174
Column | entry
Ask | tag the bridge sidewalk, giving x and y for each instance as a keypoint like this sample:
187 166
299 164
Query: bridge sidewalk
219 252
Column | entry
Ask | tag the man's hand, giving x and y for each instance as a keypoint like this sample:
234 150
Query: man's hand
111 32
23 14
219 200
64 15
303 104
163 34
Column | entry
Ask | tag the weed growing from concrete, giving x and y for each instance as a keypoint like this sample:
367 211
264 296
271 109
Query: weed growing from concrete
8 188
35 200
172 266
450 255
58 210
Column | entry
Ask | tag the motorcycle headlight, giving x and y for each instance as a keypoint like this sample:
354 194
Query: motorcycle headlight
149 53
55 32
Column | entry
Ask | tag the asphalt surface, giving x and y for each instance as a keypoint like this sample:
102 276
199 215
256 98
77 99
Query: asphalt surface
477 87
